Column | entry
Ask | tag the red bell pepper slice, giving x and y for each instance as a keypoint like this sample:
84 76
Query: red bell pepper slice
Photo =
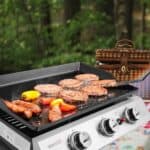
67 107
46 100
64 107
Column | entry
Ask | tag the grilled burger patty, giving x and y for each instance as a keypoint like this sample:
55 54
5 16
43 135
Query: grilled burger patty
104 83
94 90
49 89
70 83
73 96
87 77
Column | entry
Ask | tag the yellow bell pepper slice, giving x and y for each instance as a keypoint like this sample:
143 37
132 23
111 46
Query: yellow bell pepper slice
30 95
56 102
62 105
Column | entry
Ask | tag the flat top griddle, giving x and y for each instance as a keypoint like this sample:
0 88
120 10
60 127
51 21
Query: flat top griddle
12 85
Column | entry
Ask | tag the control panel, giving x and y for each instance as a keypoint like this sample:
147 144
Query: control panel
96 130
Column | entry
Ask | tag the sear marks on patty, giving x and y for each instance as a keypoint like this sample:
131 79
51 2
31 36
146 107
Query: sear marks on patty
73 96
104 83
70 83
87 77
93 90
48 89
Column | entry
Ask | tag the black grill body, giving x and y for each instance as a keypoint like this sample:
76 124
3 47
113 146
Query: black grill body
12 85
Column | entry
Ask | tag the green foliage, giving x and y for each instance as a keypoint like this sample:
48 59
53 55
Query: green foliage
143 41
65 58
25 43
94 33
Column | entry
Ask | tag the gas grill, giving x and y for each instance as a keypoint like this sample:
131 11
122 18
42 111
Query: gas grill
96 123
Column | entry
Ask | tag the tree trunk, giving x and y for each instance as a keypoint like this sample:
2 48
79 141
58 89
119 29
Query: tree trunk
28 15
105 6
71 7
46 16
123 18
45 11
143 24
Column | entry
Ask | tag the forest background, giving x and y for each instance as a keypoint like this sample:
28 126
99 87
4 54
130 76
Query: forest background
40 33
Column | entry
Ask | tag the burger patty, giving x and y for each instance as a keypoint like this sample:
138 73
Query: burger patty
104 83
94 90
70 83
73 96
87 77
48 89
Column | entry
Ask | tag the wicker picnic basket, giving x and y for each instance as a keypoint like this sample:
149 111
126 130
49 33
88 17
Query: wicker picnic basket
128 65
123 61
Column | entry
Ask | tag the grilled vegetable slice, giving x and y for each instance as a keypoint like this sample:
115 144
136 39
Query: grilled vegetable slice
56 102
67 107
46 100
30 95
64 107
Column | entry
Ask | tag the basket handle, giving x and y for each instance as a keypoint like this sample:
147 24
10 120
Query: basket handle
124 43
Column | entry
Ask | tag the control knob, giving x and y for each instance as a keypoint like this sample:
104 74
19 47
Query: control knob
79 141
131 115
108 127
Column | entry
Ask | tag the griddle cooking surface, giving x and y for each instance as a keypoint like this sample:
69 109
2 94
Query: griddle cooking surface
53 75
93 103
